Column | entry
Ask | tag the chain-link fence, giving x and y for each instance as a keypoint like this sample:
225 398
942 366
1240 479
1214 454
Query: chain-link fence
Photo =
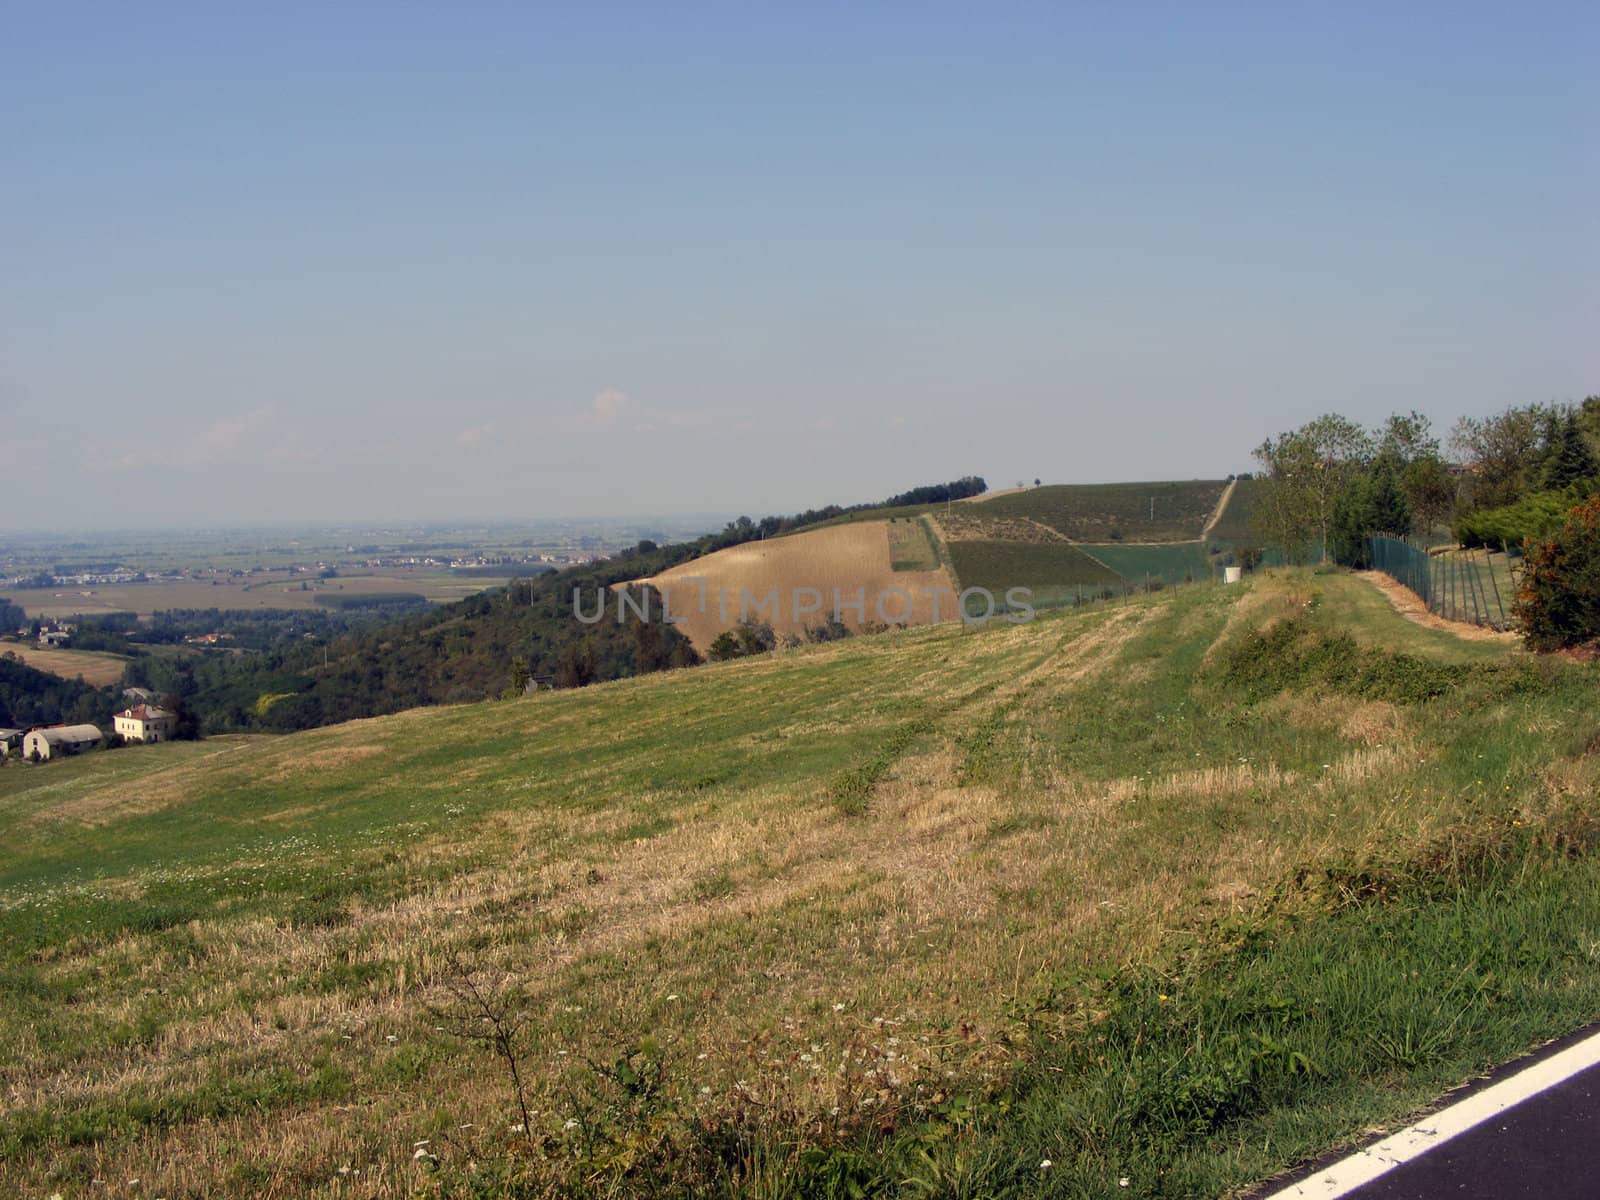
1460 585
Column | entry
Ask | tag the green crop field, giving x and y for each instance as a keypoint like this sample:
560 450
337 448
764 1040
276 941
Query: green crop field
1177 892
1182 562
1133 512
912 546
1056 572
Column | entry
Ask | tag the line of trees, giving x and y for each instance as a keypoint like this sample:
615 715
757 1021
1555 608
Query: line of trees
1330 484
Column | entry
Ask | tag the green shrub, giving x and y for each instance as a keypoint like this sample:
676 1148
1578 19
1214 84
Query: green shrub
1535 515
1558 600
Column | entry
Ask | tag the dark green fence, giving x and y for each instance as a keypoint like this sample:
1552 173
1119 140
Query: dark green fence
1457 585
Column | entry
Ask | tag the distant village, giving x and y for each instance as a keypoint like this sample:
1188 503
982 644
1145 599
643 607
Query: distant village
124 576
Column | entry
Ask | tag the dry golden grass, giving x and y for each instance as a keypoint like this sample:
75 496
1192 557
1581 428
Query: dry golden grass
93 667
851 558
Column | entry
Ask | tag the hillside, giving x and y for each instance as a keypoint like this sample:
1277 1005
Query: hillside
1179 891
1041 539
29 696
864 559
1084 512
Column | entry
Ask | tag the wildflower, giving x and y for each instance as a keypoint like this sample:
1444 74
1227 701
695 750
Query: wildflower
570 1124
1044 1164
838 1008
674 996
519 1128
391 1039
1123 1182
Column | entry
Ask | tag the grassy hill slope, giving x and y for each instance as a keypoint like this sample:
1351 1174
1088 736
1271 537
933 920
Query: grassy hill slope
1121 889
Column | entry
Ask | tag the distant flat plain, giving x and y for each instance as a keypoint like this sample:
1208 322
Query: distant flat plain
274 589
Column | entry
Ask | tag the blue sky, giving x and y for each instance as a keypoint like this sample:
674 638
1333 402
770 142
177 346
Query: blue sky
363 261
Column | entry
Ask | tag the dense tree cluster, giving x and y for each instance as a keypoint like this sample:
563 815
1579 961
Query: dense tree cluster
32 697
1329 485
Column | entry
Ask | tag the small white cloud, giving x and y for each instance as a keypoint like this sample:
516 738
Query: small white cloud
225 440
474 436
607 406
611 409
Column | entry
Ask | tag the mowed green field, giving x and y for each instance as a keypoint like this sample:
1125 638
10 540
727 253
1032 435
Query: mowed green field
1137 512
1178 892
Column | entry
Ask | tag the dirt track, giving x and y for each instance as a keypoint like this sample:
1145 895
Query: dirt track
1409 605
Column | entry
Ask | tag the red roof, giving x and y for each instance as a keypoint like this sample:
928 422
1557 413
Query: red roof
143 712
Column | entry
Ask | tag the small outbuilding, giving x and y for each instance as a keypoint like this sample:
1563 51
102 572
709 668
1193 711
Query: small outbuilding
55 740
10 742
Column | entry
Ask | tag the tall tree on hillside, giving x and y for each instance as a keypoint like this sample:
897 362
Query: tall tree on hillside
1505 452
1371 503
1570 461
1589 421
1281 512
1306 470
1408 442
1407 438
1390 514
1430 492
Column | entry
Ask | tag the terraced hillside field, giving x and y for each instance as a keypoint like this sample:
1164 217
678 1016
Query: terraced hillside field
1174 893
1104 512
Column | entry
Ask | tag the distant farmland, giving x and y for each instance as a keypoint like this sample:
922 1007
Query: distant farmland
93 667
1109 512
274 590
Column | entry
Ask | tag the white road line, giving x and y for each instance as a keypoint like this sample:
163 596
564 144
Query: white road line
1343 1177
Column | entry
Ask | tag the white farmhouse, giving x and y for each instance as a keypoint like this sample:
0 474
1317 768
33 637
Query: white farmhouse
145 723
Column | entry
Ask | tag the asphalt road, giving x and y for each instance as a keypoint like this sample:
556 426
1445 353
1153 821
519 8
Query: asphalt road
1530 1129
1546 1148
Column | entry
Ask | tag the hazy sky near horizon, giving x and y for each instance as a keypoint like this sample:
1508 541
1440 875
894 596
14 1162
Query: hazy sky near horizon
361 261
